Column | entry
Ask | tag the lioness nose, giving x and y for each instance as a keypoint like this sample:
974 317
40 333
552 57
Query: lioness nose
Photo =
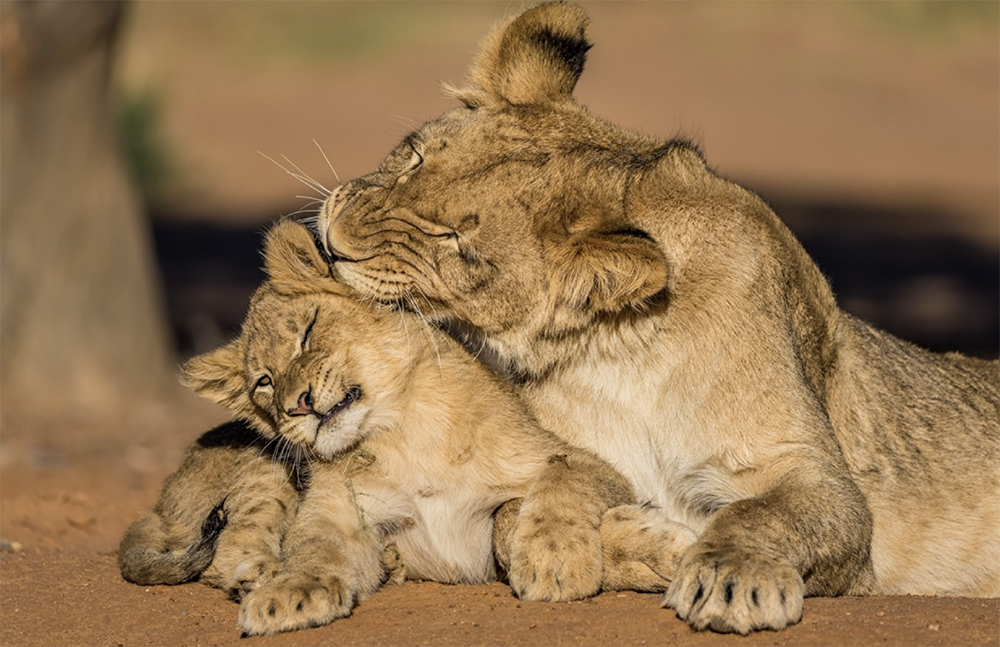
304 407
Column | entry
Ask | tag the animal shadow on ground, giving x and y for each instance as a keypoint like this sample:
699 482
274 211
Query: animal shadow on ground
901 269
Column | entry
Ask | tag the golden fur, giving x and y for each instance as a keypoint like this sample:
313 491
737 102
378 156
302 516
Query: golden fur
220 517
665 318
413 446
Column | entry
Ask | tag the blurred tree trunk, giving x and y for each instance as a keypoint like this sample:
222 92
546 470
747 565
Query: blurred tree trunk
81 320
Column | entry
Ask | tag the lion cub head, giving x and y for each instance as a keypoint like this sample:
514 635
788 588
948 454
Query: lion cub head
510 213
311 366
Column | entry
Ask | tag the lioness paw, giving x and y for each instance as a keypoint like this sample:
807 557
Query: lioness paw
555 561
294 601
732 590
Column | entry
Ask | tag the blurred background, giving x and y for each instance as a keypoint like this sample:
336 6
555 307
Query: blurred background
872 128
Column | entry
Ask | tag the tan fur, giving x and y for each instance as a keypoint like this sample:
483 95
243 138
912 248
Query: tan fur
414 443
665 318
230 471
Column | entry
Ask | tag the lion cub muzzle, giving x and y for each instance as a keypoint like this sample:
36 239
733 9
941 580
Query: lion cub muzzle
306 405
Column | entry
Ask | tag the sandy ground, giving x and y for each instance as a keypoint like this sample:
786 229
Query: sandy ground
885 117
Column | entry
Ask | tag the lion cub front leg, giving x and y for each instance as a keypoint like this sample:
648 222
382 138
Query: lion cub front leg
642 548
555 548
330 561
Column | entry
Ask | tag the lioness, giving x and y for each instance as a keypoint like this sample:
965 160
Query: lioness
665 318
413 443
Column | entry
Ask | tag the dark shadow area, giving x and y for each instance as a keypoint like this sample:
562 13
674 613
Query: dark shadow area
900 269
209 271
936 289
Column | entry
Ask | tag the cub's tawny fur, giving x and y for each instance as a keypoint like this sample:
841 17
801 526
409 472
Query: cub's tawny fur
220 516
412 447
665 318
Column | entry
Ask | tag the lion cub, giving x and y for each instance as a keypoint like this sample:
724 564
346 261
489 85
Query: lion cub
410 442
220 516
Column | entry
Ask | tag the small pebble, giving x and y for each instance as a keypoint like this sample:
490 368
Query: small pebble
12 546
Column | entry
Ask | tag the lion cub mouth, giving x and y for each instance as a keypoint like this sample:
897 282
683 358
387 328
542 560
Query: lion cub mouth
353 394
333 433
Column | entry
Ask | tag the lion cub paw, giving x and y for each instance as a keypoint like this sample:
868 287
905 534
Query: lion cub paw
733 590
252 573
237 572
294 601
642 548
555 560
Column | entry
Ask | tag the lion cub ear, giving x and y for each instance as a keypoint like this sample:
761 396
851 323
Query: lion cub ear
216 375
293 261
608 272
535 57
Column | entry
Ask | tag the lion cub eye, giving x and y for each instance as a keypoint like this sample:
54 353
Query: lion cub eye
304 344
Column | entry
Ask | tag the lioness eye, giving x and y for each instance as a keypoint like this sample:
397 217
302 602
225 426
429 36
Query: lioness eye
416 160
264 381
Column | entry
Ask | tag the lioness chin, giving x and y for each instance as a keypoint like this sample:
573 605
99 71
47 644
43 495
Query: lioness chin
665 318
417 454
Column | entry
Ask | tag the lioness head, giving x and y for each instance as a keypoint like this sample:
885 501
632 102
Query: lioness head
311 366
509 213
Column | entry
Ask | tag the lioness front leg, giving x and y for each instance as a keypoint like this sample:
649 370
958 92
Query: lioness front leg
758 558
331 561
555 547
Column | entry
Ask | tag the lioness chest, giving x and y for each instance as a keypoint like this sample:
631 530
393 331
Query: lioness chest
664 445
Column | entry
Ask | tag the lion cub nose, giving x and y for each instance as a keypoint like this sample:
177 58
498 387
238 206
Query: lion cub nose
304 407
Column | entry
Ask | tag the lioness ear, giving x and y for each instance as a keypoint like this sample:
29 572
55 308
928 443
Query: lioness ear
608 272
292 260
535 57
216 375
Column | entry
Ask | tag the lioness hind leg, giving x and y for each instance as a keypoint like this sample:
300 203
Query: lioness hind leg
642 548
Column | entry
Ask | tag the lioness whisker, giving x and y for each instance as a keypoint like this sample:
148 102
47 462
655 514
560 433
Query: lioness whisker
323 153
410 124
427 325
301 176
